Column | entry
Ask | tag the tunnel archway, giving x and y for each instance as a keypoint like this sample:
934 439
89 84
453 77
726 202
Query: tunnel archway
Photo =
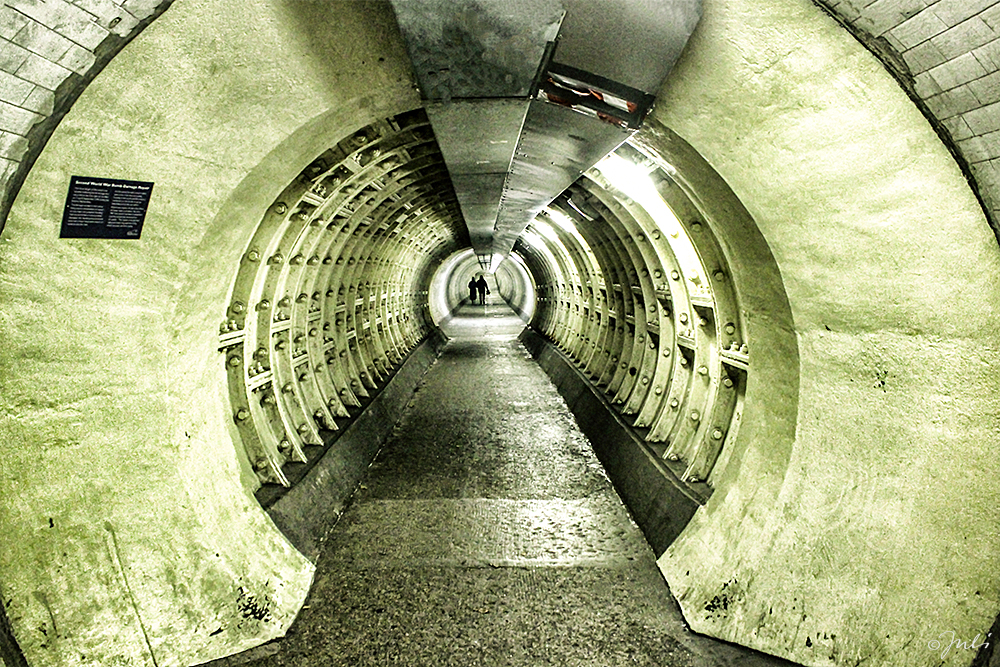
138 403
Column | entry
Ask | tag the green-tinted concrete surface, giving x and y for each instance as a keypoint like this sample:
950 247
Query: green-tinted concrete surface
488 534
872 531
130 537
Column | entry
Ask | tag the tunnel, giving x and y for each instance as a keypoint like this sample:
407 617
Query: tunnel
766 285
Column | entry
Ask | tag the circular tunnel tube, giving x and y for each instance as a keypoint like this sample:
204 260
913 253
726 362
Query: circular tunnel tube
839 428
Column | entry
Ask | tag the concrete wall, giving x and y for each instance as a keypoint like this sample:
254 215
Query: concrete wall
947 53
128 534
878 532
51 51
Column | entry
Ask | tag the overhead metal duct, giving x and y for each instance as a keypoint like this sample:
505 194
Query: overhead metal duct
525 95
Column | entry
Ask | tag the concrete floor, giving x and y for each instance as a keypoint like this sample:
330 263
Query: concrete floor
488 534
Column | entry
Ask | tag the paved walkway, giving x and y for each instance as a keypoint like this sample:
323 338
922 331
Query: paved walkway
487 534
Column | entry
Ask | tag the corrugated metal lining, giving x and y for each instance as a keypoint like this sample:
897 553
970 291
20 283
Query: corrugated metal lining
526 95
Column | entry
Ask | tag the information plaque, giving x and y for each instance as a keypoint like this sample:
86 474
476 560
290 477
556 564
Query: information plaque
104 208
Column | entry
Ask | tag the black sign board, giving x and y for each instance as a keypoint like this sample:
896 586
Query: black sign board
104 208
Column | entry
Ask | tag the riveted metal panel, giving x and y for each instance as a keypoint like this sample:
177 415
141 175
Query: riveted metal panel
477 48
633 42
557 144
478 136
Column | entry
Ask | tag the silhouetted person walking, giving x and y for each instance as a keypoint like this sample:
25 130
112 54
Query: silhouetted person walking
483 289
472 290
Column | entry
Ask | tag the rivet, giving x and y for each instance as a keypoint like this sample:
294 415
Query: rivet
313 332
702 321
284 446
730 328
717 434
238 307
703 370
719 275
235 361
658 390
696 226
287 388
302 298
645 380
242 414
674 403
313 261
683 317
666 352
328 260
285 302
695 415
298 259
656 233
675 275
263 304
684 361
260 464
727 381
253 256
280 208
303 429
276 258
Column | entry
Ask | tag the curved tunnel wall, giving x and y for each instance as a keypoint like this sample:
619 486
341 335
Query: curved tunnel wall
160 535
132 530
332 291
870 535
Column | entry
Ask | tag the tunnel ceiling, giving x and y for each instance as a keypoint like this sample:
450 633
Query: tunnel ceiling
526 96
